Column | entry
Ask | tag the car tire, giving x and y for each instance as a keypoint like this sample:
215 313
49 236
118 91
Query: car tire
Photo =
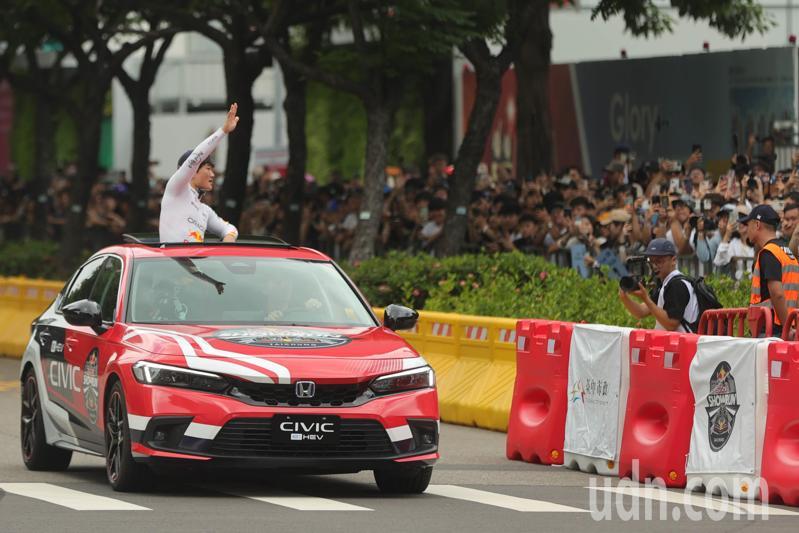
124 474
404 480
36 453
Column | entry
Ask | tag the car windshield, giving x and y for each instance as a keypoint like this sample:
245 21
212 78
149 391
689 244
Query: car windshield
243 290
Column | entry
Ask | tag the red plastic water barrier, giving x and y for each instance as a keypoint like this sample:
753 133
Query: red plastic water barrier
790 326
538 412
660 407
780 467
724 322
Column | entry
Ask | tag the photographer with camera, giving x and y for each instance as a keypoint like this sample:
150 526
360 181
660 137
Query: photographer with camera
673 302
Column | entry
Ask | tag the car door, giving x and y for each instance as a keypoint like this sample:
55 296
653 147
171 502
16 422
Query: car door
86 351
57 341
94 356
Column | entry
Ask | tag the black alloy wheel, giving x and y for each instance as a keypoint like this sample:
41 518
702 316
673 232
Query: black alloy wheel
36 453
124 474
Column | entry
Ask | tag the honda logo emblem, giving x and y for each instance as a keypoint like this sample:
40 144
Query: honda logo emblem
305 389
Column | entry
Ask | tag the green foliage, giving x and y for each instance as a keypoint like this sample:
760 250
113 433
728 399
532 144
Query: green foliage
336 132
32 259
23 140
733 18
506 285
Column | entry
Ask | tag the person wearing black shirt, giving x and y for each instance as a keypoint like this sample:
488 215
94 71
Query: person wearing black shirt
775 277
673 302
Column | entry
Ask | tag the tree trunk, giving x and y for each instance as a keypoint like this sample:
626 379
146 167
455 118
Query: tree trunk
470 154
533 132
437 102
140 165
90 120
238 81
43 162
294 192
379 119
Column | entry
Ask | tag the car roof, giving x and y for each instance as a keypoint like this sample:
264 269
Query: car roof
143 251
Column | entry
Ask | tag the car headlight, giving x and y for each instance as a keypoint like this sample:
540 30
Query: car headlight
417 378
174 376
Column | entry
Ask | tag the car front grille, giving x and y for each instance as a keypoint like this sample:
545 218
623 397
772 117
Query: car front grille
278 395
252 437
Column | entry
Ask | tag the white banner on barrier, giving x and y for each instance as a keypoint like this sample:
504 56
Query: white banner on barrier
729 405
597 390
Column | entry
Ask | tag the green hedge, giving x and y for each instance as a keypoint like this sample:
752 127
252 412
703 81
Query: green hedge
506 285
32 259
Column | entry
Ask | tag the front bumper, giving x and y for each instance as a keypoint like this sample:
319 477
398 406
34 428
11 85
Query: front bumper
170 425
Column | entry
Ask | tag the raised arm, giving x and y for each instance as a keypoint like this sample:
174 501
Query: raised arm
181 179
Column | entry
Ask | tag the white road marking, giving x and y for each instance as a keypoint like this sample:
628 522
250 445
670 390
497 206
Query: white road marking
74 499
302 503
697 500
500 500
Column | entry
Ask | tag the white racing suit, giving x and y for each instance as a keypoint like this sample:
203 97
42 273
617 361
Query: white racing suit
184 218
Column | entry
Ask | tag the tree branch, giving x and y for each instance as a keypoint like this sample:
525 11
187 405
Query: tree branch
357 26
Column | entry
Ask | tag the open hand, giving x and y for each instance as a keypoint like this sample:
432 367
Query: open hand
232 120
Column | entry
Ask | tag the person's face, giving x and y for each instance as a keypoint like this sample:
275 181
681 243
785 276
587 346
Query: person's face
790 218
662 265
541 215
768 147
616 229
558 217
203 180
438 216
579 211
696 177
527 228
752 235
585 227
683 213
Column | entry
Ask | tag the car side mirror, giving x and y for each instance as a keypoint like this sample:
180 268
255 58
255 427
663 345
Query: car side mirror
397 317
84 313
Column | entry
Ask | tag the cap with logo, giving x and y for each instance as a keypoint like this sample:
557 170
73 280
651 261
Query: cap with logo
764 213
660 247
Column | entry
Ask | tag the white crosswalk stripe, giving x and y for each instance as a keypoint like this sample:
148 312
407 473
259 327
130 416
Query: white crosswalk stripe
513 503
73 499
302 503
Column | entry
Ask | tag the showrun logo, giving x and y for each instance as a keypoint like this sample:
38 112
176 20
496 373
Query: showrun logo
633 501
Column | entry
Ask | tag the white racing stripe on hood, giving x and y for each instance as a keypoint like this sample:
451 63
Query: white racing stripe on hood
211 365
282 373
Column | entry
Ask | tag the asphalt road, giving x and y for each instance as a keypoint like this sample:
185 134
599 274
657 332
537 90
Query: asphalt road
474 488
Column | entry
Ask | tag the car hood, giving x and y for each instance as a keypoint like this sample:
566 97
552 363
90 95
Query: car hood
282 354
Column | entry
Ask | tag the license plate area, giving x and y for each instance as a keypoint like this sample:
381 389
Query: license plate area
306 430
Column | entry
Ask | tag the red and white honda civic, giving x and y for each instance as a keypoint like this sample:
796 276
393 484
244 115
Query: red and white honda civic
253 354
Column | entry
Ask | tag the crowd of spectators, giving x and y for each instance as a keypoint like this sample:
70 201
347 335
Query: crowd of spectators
573 219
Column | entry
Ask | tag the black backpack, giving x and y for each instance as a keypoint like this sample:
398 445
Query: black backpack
705 298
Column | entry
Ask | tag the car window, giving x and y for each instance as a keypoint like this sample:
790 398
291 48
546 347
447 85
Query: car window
243 290
106 287
81 288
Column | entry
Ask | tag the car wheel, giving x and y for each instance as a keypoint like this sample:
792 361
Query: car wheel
404 480
124 474
36 453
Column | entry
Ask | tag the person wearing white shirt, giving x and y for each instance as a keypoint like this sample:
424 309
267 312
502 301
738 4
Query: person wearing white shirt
184 218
